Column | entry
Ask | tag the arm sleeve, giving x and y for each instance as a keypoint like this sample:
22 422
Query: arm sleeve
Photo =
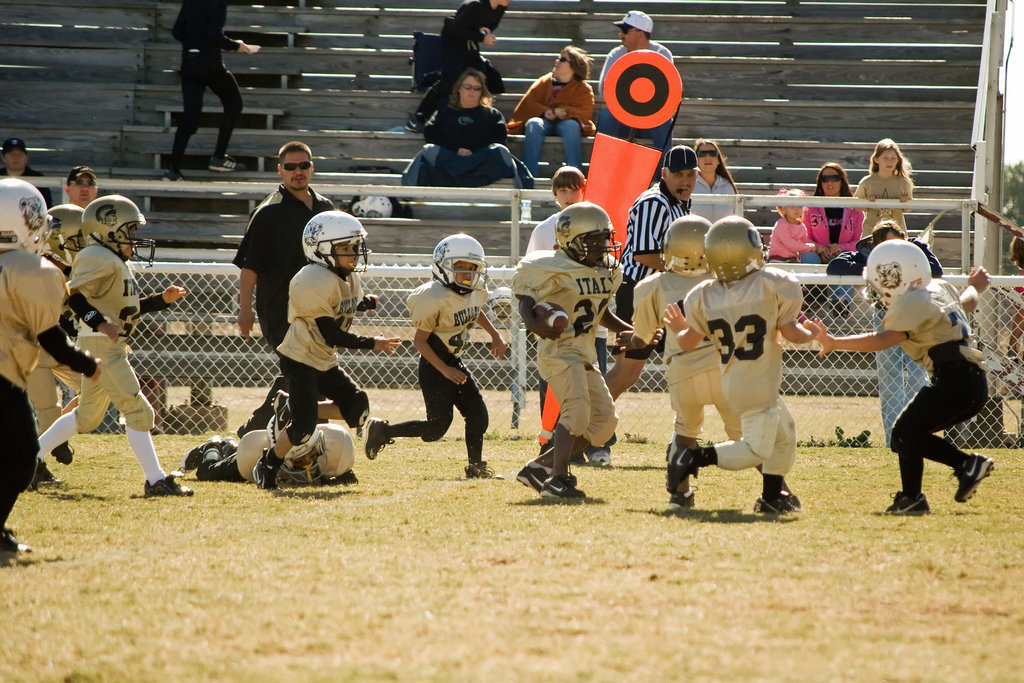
335 336
85 311
467 22
499 132
152 304
56 343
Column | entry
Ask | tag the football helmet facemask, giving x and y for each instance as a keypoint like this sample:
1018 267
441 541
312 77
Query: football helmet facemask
331 229
682 249
112 222
66 235
24 224
894 267
460 248
733 248
584 232
333 455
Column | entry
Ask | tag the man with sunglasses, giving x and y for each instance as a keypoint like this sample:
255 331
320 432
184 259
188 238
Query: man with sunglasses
270 254
82 186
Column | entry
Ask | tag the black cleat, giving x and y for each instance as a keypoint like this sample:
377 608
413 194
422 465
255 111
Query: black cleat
348 478
281 417
788 494
168 486
9 544
774 506
43 475
681 500
533 475
970 473
191 460
561 486
480 470
265 474
375 438
63 453
682 463
902 504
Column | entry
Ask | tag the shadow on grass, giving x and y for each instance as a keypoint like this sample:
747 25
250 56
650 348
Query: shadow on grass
634 468
561 501
66 494
315 493
723 516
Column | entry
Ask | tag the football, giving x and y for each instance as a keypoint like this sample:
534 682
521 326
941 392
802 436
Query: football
552 314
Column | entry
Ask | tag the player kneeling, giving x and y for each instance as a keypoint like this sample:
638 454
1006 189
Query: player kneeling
580 277
929 321
742 311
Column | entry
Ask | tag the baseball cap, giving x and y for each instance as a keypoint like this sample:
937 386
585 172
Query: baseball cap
81 170
14 143
680 158
636 19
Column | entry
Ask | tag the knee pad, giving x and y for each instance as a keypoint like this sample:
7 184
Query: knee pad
138 413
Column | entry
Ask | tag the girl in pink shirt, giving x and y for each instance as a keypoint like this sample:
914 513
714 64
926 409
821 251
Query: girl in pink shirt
789 241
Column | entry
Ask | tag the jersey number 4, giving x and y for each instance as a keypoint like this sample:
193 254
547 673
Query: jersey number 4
752 327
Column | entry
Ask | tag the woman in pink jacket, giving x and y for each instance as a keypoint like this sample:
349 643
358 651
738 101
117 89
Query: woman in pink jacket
835 229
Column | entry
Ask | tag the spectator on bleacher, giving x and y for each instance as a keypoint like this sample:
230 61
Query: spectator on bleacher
82 186
890 178
1014 349
473 23
466 142
713 178
635 33
200 30
558 103
789 242
835 230
271 254
15 157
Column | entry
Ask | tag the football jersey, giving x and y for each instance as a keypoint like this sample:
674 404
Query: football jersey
582 291
32 292
450 316
316 292
650 298
931 316
109 284
742 319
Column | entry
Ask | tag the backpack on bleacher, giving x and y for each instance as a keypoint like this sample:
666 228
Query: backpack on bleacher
425 60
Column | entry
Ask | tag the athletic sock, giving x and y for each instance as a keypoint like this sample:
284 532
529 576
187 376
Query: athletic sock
772 486
145 453
63 428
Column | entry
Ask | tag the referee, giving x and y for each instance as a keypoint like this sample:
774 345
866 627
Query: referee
649 218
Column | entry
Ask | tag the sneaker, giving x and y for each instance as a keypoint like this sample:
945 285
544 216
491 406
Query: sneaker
790 497
375 439
415 123
546 448
903 504
168 486
281 417
43 475
561 486
578 458
9 544
600 456
173 175
225 164
191 460
264 474
682 463
480 470
63 453
774 506
970 473
681 499
533 475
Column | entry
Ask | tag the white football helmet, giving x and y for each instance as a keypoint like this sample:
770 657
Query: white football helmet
733 248
460 248
66 235
372 206
894 267
579 230
682 248
112 222
333 455
24 224
329 229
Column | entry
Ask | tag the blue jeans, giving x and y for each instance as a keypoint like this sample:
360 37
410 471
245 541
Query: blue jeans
539 128
899 380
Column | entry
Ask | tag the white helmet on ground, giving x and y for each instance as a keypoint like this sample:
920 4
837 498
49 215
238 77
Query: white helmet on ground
894 267
372 206
24 224
460 247
330 229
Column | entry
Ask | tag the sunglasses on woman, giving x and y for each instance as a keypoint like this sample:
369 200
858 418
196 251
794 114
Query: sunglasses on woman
708 153
292 165
474 88
831 178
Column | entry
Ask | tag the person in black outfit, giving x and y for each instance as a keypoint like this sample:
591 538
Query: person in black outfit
271 253
15 158
200 30
473 23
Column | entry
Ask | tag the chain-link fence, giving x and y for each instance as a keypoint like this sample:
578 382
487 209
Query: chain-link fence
201 375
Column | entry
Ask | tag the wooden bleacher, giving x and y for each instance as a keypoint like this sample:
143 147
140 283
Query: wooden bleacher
783 85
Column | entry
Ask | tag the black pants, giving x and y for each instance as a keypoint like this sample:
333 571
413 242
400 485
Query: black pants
18 447
957 391
224 469
307 386
199 71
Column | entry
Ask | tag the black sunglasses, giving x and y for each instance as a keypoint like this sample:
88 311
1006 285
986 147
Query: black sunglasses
292 165
831 178
708 153
83 183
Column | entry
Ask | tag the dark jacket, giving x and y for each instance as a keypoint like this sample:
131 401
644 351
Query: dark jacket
473 129
200 26
853 262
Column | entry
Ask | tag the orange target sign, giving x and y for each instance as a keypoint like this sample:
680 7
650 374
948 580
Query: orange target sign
643 89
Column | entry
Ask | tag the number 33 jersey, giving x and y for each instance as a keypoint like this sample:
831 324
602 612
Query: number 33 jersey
583 292
445 313
109 285
742 319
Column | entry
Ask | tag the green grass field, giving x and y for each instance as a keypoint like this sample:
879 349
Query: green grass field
419 574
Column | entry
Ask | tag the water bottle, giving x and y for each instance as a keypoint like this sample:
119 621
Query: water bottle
525 211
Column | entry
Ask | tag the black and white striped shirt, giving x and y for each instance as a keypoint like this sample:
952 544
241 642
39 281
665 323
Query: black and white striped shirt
649 218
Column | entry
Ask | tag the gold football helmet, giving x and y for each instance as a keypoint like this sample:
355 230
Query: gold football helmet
333 456
66 236
584 232
733 248
112 221
682 249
